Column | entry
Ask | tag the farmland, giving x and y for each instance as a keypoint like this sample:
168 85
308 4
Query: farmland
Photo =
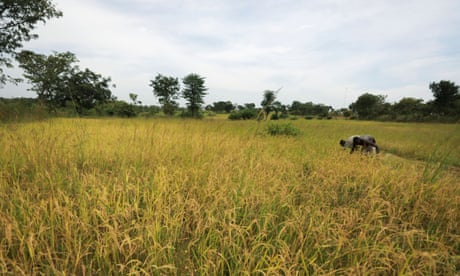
212 196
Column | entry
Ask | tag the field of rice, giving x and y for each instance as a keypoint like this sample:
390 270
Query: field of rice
212 196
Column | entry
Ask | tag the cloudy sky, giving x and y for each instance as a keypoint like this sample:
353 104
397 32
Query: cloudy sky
323 51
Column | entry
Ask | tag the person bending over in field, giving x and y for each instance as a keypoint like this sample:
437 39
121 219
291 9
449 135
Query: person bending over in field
366 142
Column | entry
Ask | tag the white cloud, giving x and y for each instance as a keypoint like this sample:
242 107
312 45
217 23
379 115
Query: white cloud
326 51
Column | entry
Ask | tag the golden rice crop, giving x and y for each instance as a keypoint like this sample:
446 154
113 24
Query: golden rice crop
114 196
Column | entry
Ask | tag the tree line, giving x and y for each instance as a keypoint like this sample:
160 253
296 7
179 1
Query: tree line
60 83
62 87
445 106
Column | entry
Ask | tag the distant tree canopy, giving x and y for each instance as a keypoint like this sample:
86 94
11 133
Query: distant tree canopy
17 20
267 102
58 82
408 106
166 89
133 97
194 92
247 111
444 107
309 109
221 107
368 105
87 89
446 98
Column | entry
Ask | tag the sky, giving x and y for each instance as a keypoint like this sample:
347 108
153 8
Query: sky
322 51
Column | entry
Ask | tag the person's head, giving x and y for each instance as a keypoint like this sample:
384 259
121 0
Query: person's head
342 143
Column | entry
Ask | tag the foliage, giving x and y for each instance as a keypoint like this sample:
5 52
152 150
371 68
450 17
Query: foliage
58 82
267 102
21 109
243 114
166 89
133 98
445 107
48 75
17 20
282 129
86 89
221 107
117 108
281 111
309 109
368 106
194 92
447 98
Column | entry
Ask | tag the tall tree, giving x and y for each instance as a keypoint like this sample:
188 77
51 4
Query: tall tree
48 75
194 92
57 81
133 97
166 89
368 106
267 102
86 89
408 107
446 97
17 20
222 106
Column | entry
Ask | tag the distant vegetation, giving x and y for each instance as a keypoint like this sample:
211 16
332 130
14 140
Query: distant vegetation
444 108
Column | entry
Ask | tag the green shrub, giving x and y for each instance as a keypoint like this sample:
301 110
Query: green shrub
245 114
274 117
282 129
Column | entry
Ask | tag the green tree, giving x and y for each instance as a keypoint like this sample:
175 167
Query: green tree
446 97
368 106
194 92
321 110
48 75
409 109
278 107
345 112
17 20
222 106
57 81
249 106
298 108
166 89
86 89
267 103
133 98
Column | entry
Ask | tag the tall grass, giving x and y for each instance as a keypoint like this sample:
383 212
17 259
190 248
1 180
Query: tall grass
217 197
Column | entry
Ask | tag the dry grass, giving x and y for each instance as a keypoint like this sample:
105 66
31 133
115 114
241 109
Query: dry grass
217 197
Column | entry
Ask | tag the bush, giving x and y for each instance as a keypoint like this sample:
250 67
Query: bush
116 108
210 113
188 114
234 116
282 129
274 117
245 114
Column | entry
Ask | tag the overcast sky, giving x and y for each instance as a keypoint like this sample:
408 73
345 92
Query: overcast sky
323 51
